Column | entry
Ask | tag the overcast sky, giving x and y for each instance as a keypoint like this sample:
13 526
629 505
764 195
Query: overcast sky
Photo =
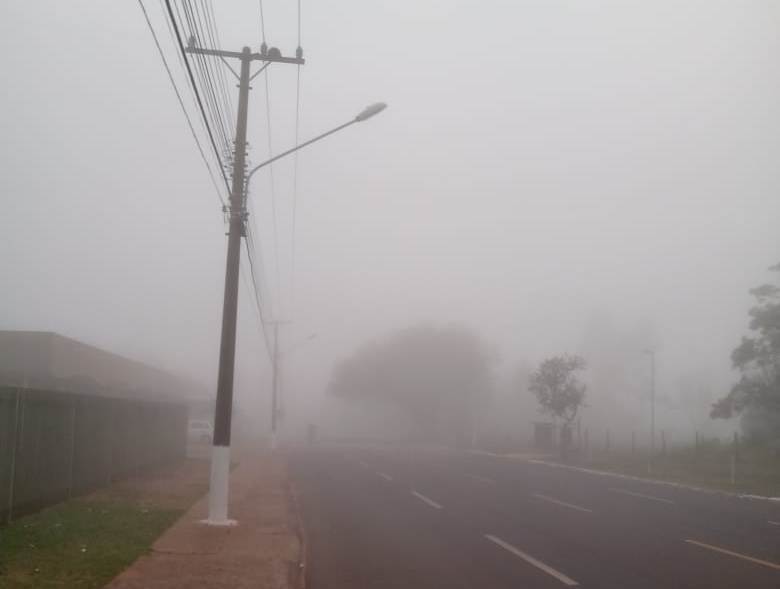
540 164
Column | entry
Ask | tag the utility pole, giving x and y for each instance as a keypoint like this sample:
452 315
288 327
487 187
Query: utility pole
236 210
651 353
652 401
275 383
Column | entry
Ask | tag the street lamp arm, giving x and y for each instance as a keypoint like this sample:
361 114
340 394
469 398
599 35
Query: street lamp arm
296 148
363 115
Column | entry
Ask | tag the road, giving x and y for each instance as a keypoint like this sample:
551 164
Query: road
381 518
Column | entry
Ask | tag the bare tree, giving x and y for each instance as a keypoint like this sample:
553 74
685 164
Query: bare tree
558 390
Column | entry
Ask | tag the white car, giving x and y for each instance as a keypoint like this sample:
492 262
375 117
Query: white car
200 430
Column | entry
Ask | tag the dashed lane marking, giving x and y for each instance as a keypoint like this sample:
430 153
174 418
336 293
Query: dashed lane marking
642 495
385 476
765 563
533 561
563 503
427 500
481 479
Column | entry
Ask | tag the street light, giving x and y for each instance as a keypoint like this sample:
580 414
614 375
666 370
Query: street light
651 353
365 114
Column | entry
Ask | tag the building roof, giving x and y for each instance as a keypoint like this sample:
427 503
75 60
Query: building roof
47 360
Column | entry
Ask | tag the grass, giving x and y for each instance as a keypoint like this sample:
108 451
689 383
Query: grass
86 542
78 544
757 470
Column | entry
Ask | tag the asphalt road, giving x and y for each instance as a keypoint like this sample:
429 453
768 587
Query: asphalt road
379 519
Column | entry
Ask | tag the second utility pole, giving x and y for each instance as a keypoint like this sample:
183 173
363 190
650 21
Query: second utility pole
276 382
220 457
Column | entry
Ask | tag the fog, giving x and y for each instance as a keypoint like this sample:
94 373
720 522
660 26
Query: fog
594 178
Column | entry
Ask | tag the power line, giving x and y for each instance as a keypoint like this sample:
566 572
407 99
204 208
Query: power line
217 42
214 72
271 177
262 22
272 181
257 298
295 183
204 71
181 102
295 163
197 94
299 23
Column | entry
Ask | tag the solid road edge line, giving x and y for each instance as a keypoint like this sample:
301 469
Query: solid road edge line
752 559
533 561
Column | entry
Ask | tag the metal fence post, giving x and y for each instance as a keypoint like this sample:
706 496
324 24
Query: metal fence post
18 417
72 449
734 450
633 443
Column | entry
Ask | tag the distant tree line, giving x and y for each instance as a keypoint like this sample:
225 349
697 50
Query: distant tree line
437 376
756 395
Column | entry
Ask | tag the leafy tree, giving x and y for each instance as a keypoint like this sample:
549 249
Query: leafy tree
757 358
557 388
437 376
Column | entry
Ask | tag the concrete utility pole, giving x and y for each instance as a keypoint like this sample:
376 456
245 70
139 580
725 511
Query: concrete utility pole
277 379
651 353
275 383
220 457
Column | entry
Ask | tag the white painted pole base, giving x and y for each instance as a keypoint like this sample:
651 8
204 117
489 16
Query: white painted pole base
218 488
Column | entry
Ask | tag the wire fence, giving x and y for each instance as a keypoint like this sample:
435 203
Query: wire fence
55 445
733 463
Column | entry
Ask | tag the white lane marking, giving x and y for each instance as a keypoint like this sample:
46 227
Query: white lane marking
427 500
531 560
642 495
362 463
385 476
559 502
765 563
481 479
774 523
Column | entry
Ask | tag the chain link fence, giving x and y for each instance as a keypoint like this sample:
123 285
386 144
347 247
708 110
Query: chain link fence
54 445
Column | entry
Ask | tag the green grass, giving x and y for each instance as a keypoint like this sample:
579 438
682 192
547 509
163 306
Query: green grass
758 470
78 544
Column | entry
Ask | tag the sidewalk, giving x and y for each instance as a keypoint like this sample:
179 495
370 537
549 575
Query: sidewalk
262 551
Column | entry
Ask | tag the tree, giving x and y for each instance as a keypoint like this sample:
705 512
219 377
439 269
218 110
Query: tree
437 377
758 360
557 388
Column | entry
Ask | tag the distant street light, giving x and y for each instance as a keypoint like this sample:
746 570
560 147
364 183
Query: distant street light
368 112
365 114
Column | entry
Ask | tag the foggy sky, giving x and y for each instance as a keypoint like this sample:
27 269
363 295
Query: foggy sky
540 164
